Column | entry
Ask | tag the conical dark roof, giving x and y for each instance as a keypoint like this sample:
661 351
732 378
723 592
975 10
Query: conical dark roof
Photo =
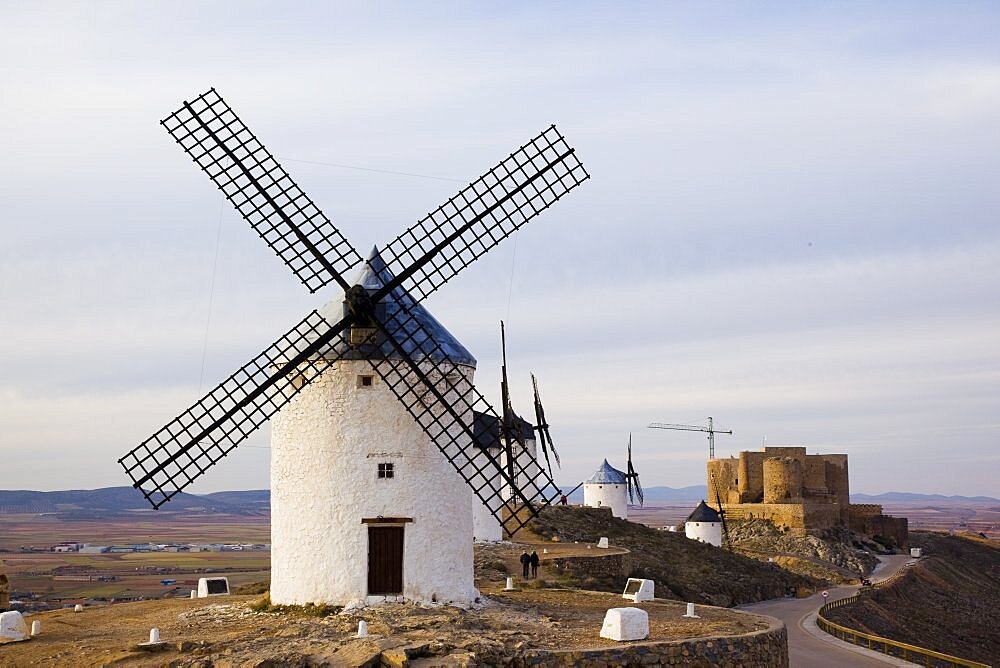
373 276
608 475
704 513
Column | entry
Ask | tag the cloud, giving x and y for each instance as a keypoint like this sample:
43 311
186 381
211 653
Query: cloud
791 224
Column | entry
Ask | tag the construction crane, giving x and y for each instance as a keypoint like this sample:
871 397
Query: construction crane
712 431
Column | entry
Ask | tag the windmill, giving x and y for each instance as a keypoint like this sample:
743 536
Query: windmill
380 327
632 477
542 427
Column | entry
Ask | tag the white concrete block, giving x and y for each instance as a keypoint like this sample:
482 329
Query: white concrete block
154 635
690 612
194 594
510 584
916 552
625 624
638 590
603 542
12 626
36 627
213 587
362 629
77 608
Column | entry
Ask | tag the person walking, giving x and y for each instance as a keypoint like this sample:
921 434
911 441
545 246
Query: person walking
525 563
534 563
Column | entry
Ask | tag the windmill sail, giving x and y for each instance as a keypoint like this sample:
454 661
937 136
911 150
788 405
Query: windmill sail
262 191
484 213
422 259
444 404
542 427
632 478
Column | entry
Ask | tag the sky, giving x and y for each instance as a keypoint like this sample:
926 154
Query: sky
791 224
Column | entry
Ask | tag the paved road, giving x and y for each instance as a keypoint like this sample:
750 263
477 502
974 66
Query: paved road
811 647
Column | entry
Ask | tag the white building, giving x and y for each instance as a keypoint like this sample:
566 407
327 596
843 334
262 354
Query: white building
364 507
607 489
704 524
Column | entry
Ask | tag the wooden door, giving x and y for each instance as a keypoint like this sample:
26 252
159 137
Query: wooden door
385 561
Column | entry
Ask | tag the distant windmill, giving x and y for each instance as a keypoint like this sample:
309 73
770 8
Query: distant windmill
350 470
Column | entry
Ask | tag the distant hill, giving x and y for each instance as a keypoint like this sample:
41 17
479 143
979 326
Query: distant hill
909 496
84 503
258 499
88 503
653 494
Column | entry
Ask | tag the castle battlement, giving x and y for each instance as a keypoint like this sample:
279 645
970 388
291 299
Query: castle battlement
796 490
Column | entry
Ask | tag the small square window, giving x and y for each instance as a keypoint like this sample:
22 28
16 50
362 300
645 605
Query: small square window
386 470
366 381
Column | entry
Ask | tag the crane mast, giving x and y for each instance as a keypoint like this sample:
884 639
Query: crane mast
712 431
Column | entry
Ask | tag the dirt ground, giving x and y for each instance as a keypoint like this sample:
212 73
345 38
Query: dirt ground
225 631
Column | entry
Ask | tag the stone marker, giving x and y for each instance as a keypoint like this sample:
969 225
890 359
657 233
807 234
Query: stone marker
510 584
638 590
36 627
545 550
362 629
625 624
690 612
194 594
77 608
916 552
12 626
154 635
603 542
213 587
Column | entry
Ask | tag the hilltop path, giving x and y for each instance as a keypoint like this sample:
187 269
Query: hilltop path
808 645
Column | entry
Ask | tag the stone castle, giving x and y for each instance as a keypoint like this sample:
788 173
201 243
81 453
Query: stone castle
797 491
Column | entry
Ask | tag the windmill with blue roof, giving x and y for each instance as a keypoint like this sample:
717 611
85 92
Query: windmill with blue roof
614 489
375 469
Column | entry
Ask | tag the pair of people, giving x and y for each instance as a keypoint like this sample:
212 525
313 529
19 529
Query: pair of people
529 561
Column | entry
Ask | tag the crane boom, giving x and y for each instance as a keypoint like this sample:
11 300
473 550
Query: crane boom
710 429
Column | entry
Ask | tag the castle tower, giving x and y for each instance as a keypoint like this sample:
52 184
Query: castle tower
607 489
704 524
364 508
782 480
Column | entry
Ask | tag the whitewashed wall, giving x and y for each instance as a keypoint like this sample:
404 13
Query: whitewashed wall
604 495
706 532
326 447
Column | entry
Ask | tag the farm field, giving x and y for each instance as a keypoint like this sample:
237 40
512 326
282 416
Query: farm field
49 579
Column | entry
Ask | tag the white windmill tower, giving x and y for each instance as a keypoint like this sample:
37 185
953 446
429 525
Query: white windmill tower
611 488
704 524
373 449
353 476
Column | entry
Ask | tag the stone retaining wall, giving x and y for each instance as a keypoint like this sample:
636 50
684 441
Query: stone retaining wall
597 566
765 649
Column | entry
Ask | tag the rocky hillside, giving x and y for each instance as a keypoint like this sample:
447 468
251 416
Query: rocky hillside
681 568
946 602
850 552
